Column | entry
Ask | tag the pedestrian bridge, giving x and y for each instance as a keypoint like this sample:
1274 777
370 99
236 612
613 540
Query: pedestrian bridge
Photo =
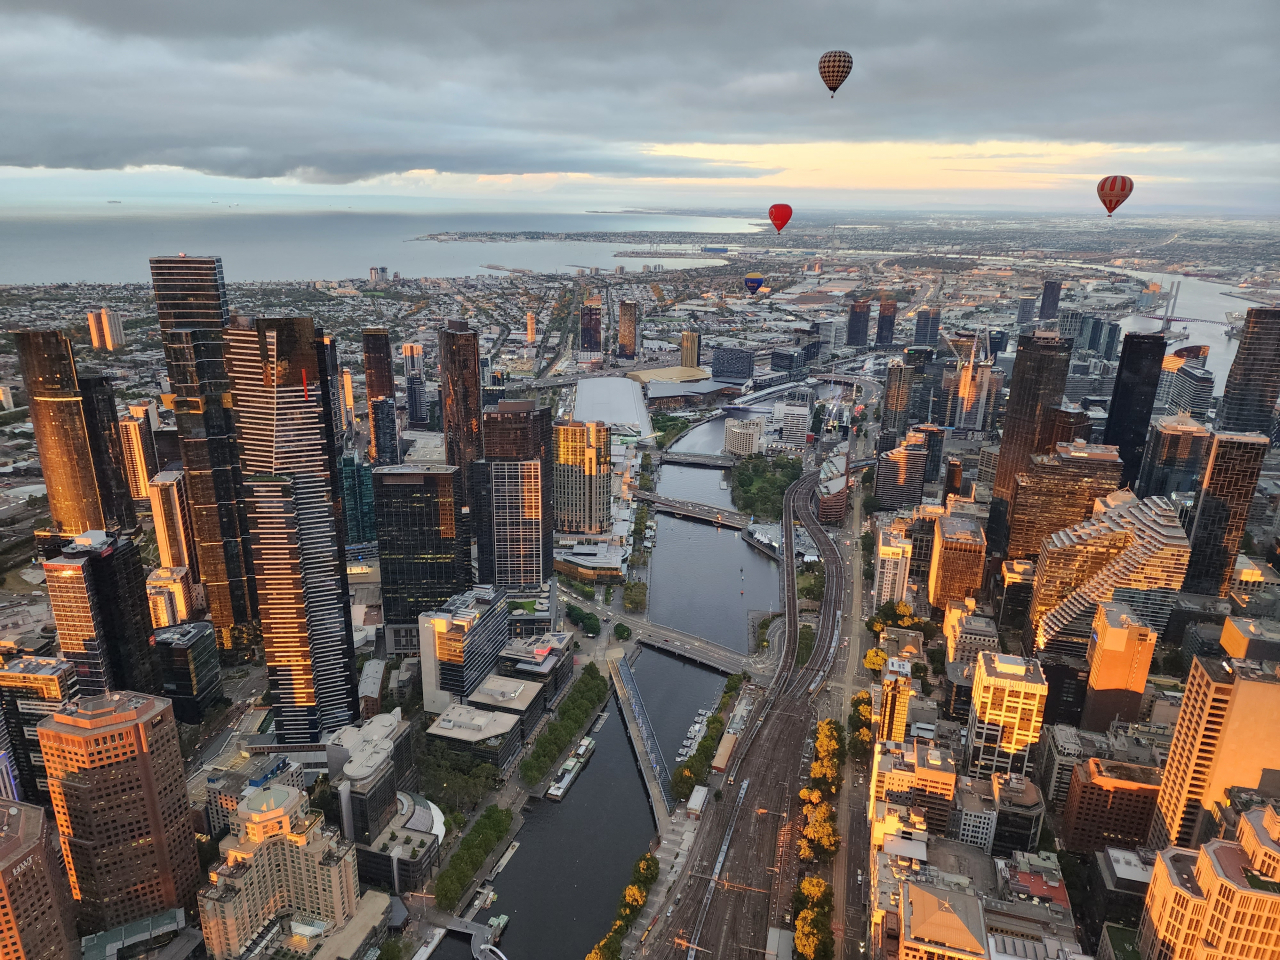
657 778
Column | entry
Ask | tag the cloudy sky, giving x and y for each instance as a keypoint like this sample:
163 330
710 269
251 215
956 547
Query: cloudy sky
573 103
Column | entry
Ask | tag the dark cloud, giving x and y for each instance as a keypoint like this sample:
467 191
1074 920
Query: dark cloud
337 91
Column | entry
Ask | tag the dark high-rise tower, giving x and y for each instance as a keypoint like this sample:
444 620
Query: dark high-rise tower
927 319
1035 391
77 436
380 386
1049 299
1132 399
1230 479
897 397
859 323
191 301
627 327
590 342
460 391
98 592
424 547
298 548
1254 381
884 325
1176 450
512 512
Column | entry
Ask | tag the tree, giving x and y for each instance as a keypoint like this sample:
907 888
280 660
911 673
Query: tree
622 632
635 596
875 659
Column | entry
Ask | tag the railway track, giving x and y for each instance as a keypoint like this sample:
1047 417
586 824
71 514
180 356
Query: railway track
749 842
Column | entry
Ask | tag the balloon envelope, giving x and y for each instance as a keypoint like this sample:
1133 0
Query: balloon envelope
753 281
1113 191
779 215
834 67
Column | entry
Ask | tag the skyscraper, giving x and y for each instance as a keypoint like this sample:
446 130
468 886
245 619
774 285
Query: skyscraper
461 641
690 349
415 381
859 323
380 386
1230 479
298 550
590 328
98 592
627 329
424 546
341 422
927 320
1049 299
1130 544
900 473
512 513
1224 738
1177 448
175 536
115 776
460 388
77 437
955 567
1069 422
897 398
582 477
30 688
1119 656
357 499
191 301
1006 713
895 701
971 395
1254 381
1026 311
36 910
531 326
1132 399
1058 491
106 332
170 597
1191 389
139 449
1035 390
885 324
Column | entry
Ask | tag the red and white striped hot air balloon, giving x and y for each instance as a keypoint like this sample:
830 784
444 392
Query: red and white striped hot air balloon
1113 191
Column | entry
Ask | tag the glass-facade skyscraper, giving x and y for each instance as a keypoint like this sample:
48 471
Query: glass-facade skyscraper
582 477
191 301
380 387
1254 381
859 323
424 546
1174 458
1132 399
462 399
590 329
628 326
885 324
1230 478
298 548
511 510
77 437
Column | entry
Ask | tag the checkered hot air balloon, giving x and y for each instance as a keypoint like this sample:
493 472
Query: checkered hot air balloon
1113 191
834 67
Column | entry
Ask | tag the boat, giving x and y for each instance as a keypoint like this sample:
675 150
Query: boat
497 925
564 779
586 747
704 713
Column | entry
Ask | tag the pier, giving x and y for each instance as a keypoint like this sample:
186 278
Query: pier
691 510
657 778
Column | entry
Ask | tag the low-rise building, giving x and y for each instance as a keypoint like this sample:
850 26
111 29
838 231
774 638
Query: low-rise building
521 698
368 765
545 659
973 635
370 689
279 857
481 735
1116 886
1019 814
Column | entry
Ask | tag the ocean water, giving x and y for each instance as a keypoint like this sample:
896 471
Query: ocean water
325 245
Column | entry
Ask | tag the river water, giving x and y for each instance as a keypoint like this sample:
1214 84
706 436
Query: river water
561 889
1204 301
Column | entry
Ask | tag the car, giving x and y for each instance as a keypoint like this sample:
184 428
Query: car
669 910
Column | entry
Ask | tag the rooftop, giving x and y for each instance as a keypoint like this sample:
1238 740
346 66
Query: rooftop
616 401
946 918
961 529
20 828
1130 864
459 722
508 692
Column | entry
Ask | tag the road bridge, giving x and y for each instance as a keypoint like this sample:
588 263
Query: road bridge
653 768
700 651
691 510
698 459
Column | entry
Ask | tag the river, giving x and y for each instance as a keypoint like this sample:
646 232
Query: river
1204 301
561 889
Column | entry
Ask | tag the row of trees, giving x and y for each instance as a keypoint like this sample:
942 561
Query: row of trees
811 905
901 615
818 834
862 735
588 692
635 596
453 880
643 876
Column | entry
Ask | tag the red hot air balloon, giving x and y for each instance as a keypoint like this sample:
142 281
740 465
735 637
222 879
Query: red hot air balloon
1113 191
780 215
834 67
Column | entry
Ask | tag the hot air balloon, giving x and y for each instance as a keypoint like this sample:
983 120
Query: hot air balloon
834 67
753 281
1113 191
780 215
